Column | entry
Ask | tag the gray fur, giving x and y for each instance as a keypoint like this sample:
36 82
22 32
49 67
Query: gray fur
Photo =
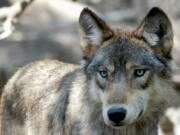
53 98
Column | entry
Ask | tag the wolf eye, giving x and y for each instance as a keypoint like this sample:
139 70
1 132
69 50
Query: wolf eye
139 72
103 74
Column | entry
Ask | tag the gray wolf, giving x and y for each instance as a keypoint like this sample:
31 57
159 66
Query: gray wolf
122 88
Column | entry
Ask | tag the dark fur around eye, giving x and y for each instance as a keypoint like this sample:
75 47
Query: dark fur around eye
103 74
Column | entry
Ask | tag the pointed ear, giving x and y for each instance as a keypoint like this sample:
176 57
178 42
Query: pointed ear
94 31
156 29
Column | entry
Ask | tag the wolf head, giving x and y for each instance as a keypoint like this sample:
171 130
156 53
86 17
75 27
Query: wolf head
128 71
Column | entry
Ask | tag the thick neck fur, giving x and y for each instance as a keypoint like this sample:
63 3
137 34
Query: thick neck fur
87 117
84 115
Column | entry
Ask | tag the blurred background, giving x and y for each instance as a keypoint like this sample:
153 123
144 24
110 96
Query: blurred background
49 29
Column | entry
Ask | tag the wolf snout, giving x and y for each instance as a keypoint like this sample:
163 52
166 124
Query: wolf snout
116 115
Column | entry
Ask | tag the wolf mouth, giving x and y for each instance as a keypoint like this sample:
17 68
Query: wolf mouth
118 125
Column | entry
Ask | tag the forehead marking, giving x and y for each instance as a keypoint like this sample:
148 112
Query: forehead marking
130 65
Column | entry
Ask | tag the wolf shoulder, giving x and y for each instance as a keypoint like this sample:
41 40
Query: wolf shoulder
37 78
44 70
33 91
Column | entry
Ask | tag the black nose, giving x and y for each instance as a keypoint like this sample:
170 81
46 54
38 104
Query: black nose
116 115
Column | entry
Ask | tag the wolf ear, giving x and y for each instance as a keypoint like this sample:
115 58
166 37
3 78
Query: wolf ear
156 29
94 31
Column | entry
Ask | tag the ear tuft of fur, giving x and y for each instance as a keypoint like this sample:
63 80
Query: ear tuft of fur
156 29
94 31
156 10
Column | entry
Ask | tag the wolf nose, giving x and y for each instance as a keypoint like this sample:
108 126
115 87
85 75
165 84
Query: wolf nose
116 115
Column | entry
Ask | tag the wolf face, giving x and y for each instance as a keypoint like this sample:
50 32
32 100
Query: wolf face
125 69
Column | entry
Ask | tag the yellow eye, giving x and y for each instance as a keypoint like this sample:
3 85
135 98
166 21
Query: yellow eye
139 72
